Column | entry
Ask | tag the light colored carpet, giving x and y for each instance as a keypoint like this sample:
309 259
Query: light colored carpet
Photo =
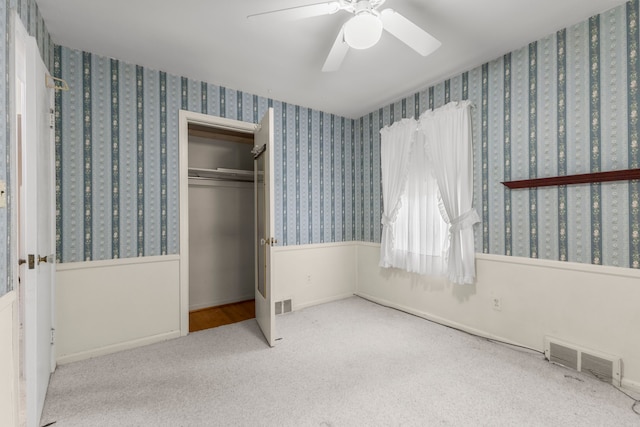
346 363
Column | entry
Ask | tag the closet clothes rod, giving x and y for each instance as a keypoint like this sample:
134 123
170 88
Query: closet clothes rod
221 174
199 178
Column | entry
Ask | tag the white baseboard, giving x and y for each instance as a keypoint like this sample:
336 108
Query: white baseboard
438 319
631 385
321 301
82 355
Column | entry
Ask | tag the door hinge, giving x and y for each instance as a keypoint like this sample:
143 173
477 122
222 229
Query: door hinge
258 150
53 336
52 118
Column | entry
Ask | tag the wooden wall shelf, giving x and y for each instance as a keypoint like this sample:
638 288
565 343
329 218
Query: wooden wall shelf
585 178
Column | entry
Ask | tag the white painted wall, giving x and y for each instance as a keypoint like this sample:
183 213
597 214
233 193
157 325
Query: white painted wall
221 225
108 306
9 363
221 242
591 306
314 274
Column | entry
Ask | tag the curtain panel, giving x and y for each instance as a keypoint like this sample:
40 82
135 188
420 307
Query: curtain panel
427 190
396 143
447 136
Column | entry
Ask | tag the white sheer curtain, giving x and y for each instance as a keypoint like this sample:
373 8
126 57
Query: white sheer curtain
446 133
396 142
413 234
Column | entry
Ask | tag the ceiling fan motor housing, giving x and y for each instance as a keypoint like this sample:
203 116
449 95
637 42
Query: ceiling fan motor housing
364 29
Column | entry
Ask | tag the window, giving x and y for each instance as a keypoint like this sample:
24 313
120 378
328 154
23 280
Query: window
418 234
427 186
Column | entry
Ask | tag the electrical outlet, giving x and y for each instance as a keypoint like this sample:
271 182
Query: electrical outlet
308 279
496 303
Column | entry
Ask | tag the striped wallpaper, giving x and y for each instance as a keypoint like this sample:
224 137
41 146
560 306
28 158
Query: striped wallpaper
34 23
117 160
5 148
564 104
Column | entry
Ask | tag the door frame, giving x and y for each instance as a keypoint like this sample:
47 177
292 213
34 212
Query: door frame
186 118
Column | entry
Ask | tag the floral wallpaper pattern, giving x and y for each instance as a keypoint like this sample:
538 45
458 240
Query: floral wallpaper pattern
564 104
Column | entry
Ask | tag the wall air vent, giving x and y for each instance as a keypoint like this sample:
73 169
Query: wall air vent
562 355
604 367
282 307
286 306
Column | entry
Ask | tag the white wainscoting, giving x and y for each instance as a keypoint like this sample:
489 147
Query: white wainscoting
9 363
590 306
314 274
107 306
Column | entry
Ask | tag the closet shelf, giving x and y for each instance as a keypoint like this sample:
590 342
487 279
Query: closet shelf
221 174
585 178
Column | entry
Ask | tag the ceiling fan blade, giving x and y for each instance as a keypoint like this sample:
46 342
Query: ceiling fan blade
336 54
408 32
299 12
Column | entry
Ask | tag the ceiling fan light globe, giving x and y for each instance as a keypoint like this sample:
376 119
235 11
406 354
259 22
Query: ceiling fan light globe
363 31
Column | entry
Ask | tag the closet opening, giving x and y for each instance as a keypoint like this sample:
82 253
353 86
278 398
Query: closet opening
221 226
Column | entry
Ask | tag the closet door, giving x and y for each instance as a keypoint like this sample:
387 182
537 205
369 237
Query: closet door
263 161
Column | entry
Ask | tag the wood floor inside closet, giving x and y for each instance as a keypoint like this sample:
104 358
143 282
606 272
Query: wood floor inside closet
221 315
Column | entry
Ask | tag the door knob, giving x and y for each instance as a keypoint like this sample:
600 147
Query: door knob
42 259
30 261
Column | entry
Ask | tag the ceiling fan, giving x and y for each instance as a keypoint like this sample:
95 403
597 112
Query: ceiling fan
361 31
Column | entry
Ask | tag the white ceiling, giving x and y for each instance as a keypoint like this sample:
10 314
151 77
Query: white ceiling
212 41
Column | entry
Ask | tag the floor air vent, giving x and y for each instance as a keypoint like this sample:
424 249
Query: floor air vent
562 355
604 367
283 306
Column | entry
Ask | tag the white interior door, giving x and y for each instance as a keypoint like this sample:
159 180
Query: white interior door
46 201
36 221
263 152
